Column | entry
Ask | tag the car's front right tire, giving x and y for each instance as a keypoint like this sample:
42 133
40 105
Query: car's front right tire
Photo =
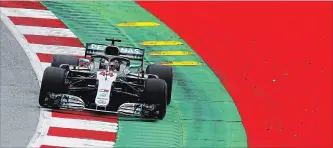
53 82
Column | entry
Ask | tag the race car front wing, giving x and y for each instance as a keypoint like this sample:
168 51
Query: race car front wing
138 110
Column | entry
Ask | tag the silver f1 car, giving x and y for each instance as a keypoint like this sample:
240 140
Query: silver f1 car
103 81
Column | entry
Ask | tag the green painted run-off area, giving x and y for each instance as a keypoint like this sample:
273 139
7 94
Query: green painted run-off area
202 113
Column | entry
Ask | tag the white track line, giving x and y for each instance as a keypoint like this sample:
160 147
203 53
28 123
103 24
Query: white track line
42 129
46 31
51 49
44 115
20 12
44 65
34 60
45 120
84 124
75 142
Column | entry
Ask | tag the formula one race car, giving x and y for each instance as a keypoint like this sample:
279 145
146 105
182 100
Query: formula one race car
103 81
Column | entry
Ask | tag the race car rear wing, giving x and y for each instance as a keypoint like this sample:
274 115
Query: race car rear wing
128 52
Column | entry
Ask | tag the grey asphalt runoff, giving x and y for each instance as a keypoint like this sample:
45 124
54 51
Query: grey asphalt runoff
19 92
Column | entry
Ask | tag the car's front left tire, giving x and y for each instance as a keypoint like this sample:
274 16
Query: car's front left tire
165 73
155 92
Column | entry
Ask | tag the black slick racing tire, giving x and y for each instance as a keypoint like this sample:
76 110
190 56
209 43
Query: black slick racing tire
155 92
53 81
64 59
165 73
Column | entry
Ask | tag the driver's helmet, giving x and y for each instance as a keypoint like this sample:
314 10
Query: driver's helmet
84 62
114 65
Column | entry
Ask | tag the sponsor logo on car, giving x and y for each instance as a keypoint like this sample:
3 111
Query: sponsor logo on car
103 94
103 90
96 47
101 102
103 73
126 50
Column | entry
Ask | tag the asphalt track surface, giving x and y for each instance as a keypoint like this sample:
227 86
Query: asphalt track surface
18 93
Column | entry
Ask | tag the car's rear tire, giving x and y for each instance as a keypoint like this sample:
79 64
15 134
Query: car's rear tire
165 73
53 81
64 59
155 92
